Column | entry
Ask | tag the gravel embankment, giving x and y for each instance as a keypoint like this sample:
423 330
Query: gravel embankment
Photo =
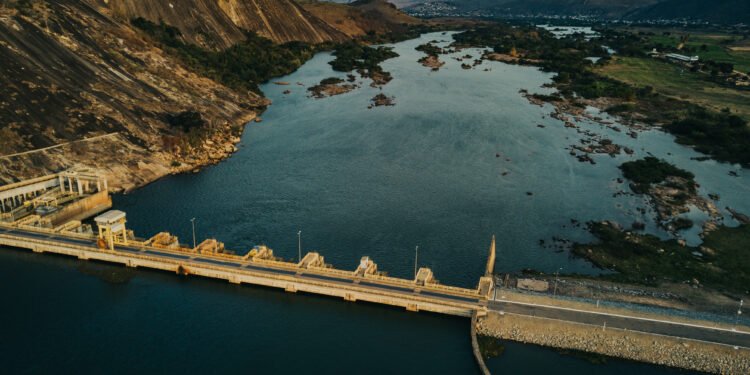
660 350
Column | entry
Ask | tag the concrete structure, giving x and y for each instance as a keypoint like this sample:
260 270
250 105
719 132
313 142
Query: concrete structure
48 194
113 242
310 275
682 58
112 229
487 282
533 285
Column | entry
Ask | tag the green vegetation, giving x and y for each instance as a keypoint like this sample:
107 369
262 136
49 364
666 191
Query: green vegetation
331 81
717 47
721 135
192 125
651 170
565 56
652 91
429 49
677 82
242 66
682 223
400 33
186 120
721 263
547 98
365 59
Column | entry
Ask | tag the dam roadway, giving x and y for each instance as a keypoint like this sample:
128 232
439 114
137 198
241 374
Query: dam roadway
292 277
607 320
354 288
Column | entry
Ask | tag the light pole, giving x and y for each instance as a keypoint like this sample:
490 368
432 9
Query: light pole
739 312
416 258
557 274
192 221
299 246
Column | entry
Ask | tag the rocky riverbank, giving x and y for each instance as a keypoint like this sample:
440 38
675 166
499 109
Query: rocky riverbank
331 87
382 100
659 350
432 62
125 164
109 99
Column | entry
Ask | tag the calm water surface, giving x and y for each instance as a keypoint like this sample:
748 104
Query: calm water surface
451 164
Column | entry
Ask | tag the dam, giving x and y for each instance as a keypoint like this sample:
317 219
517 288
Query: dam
48 214
70 213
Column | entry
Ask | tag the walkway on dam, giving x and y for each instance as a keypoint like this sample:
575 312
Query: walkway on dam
300 274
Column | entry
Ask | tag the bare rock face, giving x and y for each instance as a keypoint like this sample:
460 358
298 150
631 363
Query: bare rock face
80 87
279 20
219 24
361 17
201 22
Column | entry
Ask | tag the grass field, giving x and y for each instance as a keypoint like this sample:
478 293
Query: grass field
720 47
675 81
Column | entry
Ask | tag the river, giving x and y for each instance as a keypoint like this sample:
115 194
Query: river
460 157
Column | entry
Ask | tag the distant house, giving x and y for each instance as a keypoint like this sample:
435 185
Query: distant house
681 58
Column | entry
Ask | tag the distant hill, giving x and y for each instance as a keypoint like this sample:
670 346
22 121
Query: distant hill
716 11
605 8
360 17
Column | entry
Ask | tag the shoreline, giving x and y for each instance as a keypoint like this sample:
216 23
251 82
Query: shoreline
618 343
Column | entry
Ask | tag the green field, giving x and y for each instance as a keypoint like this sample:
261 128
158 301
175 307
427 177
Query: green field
718 47
675 81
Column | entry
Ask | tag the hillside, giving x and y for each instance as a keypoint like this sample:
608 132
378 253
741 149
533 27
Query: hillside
361 17
505 8
279 20
140 89
71 72
717 11
218 24
604 8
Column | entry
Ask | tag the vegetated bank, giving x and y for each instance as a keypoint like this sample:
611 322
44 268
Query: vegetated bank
721 263
364 59
242 66
721 135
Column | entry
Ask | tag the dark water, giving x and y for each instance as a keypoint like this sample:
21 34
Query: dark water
59 320
357 182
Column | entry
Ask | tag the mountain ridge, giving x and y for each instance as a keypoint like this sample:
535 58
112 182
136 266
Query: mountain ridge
719 11
219 24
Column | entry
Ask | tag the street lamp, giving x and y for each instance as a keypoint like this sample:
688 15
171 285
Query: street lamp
192 221
557 274
299 246
416 258
739 312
